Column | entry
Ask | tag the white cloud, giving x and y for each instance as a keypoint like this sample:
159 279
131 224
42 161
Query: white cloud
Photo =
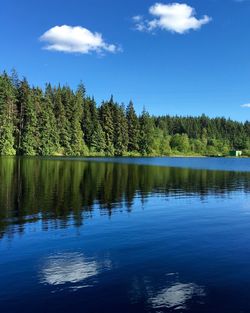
137 18
139 22
247 105
174 17
75 39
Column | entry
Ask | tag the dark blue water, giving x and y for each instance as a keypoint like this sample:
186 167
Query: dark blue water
93 236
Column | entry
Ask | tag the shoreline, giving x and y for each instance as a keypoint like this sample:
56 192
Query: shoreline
125 156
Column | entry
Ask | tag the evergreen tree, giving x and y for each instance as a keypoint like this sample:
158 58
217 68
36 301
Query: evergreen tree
89 120
49 137
7 104
146 133
98 143
67 97
106 118
133 128
50 93
23 96
94 135
61 121
121 130
63 124
77 137
28 140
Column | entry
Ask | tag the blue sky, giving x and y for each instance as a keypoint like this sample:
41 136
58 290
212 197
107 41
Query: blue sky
166 57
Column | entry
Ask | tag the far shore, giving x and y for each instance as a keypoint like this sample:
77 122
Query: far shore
129 156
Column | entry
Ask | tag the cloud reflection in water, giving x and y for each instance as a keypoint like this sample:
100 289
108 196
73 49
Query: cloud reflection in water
176 296
68 268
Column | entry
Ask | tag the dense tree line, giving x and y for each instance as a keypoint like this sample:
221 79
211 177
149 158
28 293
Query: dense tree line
60 121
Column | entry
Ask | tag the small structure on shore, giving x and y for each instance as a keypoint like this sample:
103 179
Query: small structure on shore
235 153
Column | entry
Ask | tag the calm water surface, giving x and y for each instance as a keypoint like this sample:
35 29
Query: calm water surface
124 235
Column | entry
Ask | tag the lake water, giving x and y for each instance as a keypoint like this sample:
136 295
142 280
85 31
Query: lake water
124 235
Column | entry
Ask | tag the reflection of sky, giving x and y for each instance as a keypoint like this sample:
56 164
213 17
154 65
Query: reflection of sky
68 268
176 296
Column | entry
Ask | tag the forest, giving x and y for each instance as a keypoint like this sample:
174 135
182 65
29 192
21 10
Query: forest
59 121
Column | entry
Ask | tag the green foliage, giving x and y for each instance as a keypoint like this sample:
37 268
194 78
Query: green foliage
49 137
89 120
98 143
60 121
107 123
161 143
7 115
28 139
77 142
133 128
246 153
146 133
121 131
180 143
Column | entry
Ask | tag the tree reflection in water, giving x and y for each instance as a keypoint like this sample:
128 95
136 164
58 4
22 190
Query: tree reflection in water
56 191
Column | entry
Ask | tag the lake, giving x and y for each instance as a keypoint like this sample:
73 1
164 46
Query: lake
124 235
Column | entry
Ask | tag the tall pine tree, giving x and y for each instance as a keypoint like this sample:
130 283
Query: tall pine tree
28 139
7 110
77 137
133 128
49 137
63 124
146 133
121 131
107 123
